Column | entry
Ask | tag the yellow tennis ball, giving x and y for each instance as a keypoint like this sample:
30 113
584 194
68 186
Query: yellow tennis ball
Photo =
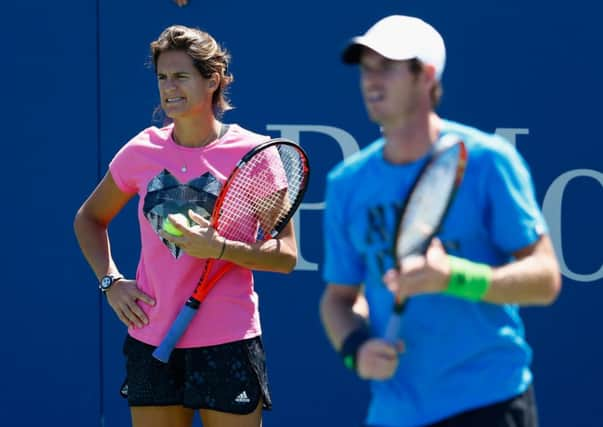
169 228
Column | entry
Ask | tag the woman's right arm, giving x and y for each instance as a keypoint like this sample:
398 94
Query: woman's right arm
91 223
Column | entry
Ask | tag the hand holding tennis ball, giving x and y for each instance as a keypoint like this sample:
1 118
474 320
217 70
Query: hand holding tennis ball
169 227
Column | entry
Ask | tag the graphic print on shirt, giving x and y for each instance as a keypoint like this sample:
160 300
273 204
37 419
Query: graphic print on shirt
379 236
166 195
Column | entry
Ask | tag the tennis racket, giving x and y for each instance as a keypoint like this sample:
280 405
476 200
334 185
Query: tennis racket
425 209
256 203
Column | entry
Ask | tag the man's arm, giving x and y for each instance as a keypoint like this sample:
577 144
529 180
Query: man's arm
343 310
337 312
533 278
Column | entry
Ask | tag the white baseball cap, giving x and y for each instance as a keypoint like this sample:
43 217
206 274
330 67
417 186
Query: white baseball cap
398 38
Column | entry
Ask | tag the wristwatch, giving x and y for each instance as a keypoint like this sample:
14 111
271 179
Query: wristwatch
107 281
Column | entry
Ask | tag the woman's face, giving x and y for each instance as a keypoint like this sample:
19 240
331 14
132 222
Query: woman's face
183 90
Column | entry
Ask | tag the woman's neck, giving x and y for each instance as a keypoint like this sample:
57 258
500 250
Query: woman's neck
196 133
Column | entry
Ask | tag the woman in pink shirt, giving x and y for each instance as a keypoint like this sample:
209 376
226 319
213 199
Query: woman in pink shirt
218 366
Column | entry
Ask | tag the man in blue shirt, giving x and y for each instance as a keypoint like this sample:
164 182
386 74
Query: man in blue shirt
462 358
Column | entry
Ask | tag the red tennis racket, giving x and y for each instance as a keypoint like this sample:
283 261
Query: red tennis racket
425 209
256 203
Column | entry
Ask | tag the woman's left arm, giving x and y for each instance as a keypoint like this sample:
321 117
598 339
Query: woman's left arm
278 254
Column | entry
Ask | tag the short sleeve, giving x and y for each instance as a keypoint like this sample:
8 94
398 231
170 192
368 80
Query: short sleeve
515 218
269 170
343 264
120 168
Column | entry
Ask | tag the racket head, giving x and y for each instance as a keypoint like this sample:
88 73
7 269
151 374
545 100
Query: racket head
256 202
430 198
263 192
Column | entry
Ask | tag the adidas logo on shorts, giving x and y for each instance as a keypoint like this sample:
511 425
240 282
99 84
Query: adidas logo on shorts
242 398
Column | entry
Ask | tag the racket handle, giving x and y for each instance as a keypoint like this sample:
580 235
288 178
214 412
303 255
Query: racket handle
162 353
393 327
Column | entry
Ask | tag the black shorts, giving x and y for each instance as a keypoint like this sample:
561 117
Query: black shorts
229 377
519 411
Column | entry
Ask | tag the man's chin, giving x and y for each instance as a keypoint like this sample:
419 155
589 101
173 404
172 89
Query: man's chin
376 118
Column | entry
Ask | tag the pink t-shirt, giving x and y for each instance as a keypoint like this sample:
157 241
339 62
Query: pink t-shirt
171 178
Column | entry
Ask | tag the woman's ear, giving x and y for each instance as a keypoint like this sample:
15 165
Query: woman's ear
214 80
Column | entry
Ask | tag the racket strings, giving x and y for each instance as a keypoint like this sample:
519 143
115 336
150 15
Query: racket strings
262 194
428 203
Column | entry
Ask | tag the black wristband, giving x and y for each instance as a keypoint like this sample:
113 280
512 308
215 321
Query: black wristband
351 344
223 248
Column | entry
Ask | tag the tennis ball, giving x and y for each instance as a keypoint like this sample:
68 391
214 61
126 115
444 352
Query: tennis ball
169 228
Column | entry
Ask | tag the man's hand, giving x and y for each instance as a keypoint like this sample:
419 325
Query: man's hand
378 359
420 274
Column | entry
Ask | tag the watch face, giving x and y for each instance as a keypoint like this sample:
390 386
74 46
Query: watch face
106 282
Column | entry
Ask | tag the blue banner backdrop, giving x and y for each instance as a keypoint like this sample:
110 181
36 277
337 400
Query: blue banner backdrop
76 87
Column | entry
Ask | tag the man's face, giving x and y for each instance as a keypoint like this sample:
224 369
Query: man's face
389 88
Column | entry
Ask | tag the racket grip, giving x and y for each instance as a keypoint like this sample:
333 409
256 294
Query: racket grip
393 327
162 353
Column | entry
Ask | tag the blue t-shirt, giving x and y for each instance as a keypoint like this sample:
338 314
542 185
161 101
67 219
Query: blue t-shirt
460 355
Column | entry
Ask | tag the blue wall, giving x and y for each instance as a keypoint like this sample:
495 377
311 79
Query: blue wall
75 88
